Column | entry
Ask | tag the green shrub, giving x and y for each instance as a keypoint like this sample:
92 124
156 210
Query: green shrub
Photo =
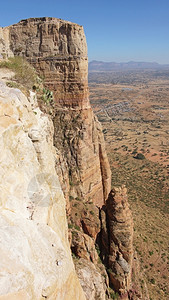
97 249
77 227
134 151
47 96
152 280
139 156
113 294
70 226
78 199
71 183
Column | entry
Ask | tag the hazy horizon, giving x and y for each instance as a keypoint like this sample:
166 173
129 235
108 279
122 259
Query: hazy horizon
117 31
129 61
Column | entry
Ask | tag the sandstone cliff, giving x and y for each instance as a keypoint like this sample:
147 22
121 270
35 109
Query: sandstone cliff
78 160
58 51
117 240
35 254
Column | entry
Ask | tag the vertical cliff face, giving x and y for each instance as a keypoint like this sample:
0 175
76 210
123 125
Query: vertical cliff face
35 255
79 137
117 240
58 51
5 50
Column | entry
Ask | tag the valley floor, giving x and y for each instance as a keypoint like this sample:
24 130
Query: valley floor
133 108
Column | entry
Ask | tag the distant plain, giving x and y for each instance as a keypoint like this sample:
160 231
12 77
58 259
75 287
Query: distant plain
133 107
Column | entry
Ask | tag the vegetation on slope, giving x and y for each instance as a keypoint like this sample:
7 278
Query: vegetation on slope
26 78
25 74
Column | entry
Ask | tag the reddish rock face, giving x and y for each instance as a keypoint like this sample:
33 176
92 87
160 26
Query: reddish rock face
58 51
117 230
79 137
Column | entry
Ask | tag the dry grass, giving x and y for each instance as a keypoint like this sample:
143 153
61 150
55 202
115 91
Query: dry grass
25 74
26 78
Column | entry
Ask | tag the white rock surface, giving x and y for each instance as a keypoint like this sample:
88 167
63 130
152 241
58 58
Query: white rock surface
35 258
91 280
5 50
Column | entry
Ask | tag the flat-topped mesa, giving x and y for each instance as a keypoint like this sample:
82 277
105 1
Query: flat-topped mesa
58 51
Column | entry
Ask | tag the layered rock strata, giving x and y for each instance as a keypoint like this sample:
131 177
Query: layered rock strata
117 240
79 137
35 255
58 51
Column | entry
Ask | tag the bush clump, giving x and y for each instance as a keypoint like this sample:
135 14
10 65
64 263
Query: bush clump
139 156
47 96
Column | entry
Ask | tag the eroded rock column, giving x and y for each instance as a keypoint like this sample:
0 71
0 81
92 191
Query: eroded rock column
117 240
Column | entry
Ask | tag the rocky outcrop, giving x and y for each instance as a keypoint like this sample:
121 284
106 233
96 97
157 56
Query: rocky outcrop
5 50
83 246
79 137
92 282
117 240
35 255
58 51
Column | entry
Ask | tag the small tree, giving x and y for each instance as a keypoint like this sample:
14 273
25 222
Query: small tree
139 156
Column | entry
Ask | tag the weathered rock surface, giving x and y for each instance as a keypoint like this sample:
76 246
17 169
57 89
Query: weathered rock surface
35 254
79 137
117 240
91 280
5 50
58 50
83 246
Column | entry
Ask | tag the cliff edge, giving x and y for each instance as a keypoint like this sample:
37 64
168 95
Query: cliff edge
55 163
58 51
35 255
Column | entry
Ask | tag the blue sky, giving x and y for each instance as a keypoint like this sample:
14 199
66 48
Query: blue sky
121 30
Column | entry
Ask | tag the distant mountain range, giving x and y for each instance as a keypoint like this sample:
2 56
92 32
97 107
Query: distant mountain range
131 65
